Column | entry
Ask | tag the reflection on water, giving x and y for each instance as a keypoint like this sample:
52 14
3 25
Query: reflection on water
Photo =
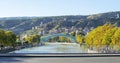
54 48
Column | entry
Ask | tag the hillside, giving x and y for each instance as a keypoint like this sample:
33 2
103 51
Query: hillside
22 24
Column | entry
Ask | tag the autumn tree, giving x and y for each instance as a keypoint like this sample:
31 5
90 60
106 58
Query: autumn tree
100 36
10 38
33 39
79 39
116 40
7 38
2 37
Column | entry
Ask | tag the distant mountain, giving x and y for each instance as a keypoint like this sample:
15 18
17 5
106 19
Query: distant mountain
105 15
21 24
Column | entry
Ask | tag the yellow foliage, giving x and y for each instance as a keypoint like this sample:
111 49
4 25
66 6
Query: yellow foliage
102 35
79 38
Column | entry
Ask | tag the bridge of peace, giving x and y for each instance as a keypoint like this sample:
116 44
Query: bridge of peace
47 37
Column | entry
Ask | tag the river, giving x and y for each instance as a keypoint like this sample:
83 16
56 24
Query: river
54 48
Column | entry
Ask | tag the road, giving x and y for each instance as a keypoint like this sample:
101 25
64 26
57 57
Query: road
59 59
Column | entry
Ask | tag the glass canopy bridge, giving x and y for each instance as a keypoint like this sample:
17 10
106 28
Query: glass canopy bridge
46 38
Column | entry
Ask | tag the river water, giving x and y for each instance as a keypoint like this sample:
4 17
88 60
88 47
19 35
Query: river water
54 48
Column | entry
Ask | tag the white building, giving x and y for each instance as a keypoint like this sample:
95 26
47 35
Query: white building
117 16
41 24
33 28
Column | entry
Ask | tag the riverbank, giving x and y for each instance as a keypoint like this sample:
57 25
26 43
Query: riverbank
10 49
59 43
7 50
92 51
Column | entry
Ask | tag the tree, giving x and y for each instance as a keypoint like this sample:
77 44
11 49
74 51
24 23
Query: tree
2 37
116 40
72 33
100 36
107 38
79 39
7 38
33 39
10 38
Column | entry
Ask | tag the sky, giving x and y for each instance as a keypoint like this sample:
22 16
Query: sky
20 8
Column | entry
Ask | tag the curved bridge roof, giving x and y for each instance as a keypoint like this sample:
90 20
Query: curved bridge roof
46 38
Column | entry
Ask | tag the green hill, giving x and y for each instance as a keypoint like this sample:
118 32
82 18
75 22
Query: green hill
22 24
